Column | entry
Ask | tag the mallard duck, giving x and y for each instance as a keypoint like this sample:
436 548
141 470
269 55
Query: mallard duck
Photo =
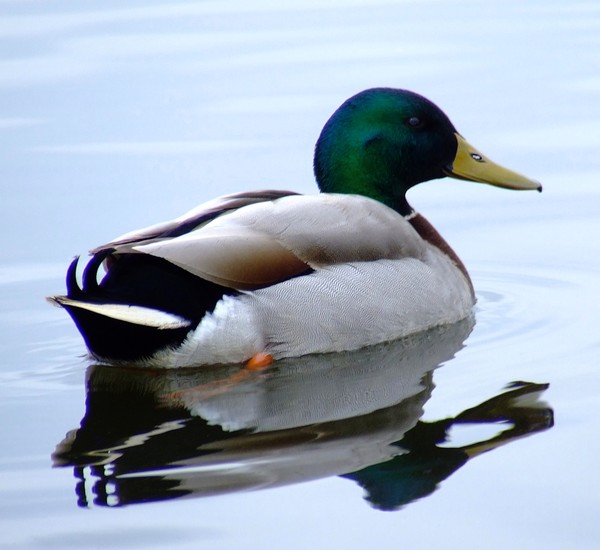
262 275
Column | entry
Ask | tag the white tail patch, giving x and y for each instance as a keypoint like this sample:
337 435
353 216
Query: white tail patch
137 315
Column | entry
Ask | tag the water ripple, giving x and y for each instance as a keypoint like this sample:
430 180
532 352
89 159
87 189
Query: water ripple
521 311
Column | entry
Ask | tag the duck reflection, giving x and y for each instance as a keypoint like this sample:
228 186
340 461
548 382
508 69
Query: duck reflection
151 435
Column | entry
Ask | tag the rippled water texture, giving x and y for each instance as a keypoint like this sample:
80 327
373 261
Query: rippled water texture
115 116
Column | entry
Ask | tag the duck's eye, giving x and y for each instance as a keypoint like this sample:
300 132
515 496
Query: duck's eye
415 122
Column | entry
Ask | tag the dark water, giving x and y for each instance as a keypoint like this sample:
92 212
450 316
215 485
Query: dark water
114 117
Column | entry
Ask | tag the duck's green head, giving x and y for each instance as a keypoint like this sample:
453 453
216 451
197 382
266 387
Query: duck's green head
383 141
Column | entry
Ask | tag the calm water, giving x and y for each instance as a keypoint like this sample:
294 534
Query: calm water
116 117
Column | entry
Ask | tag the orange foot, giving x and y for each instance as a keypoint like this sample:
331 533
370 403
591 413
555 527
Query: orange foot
258 361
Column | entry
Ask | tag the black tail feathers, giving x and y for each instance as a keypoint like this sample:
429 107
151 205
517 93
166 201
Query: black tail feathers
136 280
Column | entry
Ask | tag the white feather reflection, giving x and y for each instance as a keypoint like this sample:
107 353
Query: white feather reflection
154 435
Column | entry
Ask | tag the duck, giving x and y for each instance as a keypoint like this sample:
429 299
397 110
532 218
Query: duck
257 276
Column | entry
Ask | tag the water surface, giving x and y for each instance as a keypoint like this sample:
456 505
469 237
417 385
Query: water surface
117 117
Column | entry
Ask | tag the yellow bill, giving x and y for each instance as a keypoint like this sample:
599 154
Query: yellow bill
470 164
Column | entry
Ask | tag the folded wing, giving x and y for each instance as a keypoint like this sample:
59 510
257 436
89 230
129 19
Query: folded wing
270 241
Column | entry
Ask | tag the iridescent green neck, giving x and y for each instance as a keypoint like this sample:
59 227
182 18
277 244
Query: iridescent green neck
361 162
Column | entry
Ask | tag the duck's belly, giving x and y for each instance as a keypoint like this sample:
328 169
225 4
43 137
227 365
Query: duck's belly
342 307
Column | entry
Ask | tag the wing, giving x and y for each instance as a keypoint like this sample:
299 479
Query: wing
269 241
191 220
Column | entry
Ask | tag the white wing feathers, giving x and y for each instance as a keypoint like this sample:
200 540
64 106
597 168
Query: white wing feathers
266 242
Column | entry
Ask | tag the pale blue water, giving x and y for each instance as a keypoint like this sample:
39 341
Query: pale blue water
117 116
